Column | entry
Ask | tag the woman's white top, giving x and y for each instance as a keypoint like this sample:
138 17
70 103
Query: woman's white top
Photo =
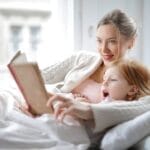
66 75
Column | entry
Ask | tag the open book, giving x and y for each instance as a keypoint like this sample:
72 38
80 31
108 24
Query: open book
29 80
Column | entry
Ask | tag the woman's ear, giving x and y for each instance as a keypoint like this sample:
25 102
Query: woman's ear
131 43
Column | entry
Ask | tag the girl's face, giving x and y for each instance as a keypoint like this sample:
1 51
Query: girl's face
111 45
114 85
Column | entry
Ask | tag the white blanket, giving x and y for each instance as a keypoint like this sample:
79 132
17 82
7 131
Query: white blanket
18 131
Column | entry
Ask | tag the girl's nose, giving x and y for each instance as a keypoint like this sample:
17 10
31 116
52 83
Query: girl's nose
105 83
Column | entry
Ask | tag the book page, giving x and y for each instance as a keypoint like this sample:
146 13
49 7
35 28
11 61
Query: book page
19 58
29 80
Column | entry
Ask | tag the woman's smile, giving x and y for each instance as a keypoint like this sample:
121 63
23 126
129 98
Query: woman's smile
107 57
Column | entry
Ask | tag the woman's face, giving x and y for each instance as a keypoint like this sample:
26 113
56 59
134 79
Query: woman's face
114 85
111 45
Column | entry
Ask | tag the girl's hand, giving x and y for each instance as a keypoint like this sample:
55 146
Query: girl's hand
77 95
80 97
69 106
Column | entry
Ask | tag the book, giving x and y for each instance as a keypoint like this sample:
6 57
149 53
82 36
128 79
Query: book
30 82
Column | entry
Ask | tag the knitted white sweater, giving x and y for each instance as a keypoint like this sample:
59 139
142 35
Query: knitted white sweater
66 75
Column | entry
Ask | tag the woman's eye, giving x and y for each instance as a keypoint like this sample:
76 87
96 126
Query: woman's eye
112 41
99 41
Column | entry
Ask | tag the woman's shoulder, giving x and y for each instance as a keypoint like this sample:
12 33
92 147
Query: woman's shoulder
87 56
87 53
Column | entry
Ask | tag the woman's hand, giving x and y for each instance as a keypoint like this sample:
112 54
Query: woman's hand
69 106
24 108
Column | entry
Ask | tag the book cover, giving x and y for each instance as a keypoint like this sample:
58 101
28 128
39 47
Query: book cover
30 82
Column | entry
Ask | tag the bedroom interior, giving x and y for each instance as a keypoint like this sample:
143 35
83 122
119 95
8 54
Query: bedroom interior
48 30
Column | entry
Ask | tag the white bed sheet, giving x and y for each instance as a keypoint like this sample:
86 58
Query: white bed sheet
19 131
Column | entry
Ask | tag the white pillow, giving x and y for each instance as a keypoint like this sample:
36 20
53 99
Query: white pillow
127 134
144 144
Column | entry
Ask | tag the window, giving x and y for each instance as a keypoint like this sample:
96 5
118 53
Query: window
15 37
35 33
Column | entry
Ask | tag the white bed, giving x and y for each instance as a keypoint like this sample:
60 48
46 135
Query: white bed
18 131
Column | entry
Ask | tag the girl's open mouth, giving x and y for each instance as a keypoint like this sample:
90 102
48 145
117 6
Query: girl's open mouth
105 94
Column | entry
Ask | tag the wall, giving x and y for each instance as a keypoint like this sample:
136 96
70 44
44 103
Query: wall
146 33
72 26
93 10
24 13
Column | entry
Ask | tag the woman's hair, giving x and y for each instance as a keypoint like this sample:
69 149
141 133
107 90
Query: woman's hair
136 74
124 24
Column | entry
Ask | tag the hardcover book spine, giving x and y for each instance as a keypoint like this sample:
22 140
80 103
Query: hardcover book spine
14 74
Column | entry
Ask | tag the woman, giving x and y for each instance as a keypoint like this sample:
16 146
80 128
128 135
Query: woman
116 33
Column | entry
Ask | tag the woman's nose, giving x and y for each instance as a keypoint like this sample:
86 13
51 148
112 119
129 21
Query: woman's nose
104 48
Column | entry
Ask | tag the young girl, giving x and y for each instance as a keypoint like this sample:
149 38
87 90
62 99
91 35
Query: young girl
123 80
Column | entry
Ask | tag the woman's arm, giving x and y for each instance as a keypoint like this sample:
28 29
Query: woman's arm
107 115
76 62
66 75
103 115
57 72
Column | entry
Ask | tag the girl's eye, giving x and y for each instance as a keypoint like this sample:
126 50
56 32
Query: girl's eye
113 79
